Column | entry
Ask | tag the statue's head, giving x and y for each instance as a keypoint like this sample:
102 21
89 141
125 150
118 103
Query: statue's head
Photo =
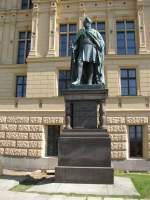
87 22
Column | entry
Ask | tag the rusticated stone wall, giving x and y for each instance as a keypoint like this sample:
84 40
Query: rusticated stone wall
118 130
24 136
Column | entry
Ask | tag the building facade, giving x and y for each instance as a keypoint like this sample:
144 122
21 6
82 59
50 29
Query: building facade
35 68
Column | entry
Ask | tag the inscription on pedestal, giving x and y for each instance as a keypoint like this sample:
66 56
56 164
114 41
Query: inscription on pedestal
84 114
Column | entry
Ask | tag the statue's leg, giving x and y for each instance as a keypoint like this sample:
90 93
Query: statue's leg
90 73
80 71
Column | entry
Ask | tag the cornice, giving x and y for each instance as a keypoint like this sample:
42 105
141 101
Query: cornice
12 66
143 2
107 57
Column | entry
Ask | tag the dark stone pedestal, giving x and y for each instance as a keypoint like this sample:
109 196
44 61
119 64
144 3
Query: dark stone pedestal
84 153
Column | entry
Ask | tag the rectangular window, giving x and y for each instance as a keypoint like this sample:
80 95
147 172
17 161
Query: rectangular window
128 82
52 140
64 80
66 37
126 42
136 141
100 26
26 4
21 86
23 46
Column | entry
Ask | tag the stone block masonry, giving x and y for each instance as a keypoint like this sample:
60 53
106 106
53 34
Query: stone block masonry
119 132
24 136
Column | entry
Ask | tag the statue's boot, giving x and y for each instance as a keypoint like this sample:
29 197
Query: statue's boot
77 82
89 82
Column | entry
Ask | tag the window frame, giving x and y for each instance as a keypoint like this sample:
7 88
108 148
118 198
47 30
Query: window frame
102 31
142 137
67 81
26 40
24 84
126 30
68 33
29 5
128 79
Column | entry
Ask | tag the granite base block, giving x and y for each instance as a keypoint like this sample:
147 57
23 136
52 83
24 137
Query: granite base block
86 151
85 175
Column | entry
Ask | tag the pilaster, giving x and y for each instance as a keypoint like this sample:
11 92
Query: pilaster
111 32
1 36
40 28
143 26
6 39
12 28
34 33
52 28
82 11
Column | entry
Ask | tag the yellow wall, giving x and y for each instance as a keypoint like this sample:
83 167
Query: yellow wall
44 63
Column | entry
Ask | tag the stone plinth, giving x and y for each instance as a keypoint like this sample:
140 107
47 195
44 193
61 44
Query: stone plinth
84 153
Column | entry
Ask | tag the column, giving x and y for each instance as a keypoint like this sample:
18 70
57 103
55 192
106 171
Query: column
52 28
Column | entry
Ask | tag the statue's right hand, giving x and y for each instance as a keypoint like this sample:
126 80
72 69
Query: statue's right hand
72 47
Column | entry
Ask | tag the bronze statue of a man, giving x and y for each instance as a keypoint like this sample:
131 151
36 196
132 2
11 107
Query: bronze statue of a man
87 65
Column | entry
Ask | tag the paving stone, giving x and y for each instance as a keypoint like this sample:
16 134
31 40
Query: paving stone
95 198
8 182
111 198
121 186
8 195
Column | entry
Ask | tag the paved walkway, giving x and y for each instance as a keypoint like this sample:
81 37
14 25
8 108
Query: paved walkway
8 182
122 186
7 195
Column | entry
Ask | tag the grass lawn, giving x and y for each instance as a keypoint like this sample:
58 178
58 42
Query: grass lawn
140 180
26 184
